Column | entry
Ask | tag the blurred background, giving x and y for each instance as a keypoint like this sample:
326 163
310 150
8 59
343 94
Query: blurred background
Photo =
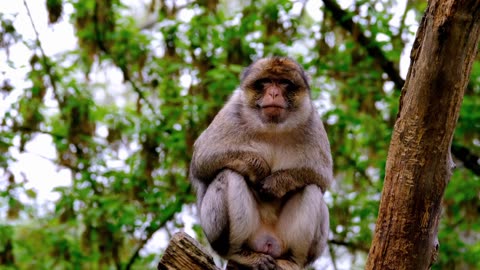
101 101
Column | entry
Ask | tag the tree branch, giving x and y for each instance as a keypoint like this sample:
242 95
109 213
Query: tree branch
25 129
469 159
418 166
349 245
46 65
170 211
345 20
141 95
184 252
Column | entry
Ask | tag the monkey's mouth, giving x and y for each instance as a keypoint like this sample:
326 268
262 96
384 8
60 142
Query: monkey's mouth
273 110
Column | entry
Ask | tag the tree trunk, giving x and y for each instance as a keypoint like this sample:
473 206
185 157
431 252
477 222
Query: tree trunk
419 163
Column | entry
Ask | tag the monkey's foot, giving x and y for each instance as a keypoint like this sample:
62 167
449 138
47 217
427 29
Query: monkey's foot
255 261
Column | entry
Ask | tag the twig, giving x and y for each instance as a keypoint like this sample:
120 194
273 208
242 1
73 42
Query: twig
345 20
332 256
176 204
46 65
349 245
26 129
402 20
469 160
141 95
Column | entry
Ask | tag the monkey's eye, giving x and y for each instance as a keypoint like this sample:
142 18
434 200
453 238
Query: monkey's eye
260 84
287 84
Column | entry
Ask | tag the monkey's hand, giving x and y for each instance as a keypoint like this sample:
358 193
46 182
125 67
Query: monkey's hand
281 182
265 262
248 164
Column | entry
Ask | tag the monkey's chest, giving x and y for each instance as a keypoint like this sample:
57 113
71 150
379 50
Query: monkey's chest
278 156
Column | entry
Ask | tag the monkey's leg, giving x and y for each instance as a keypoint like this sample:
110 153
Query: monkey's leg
229 216
213 210
303 225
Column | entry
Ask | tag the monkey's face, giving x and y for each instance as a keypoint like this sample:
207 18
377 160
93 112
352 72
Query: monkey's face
276 88
273 98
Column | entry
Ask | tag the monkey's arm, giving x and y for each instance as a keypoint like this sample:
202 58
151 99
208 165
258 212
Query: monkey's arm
248 164
281 182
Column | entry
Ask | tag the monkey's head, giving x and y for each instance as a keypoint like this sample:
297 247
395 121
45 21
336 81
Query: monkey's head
277 93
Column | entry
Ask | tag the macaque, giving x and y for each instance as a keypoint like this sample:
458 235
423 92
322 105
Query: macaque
260 171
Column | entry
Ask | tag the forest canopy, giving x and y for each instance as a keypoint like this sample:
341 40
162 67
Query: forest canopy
117 108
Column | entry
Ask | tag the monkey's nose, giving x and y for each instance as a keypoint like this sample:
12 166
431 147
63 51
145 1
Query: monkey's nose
273 92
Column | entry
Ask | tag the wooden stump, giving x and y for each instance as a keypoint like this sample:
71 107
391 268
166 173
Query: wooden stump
184 252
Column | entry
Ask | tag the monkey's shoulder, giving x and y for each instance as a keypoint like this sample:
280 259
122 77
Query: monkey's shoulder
223 131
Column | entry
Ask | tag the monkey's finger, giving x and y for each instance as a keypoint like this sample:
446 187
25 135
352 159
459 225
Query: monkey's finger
270 263
265 262
266 193
265 267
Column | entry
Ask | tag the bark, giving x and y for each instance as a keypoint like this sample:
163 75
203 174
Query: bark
419 163
184 252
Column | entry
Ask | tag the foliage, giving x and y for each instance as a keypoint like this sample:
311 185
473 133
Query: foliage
123 108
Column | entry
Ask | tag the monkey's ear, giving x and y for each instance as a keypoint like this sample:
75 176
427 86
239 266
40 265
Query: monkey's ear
245 73
307 78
